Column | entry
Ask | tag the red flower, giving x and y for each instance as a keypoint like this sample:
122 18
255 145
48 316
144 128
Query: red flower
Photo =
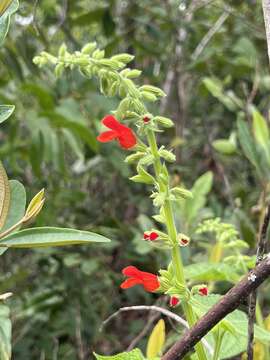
123 134
183 242
152 236
203 291
174 301
146 119
136 277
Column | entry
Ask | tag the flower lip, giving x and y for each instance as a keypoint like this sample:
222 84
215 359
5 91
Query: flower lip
146 119
135 276
123 134
174 301
203 291
151 236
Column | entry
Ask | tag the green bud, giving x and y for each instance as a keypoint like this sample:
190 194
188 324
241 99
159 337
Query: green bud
98 54
59 70
132 89
89 48
167 155
124 58
153 89
181 193
134 157
62 50
113 64
163 121
133 74
148 96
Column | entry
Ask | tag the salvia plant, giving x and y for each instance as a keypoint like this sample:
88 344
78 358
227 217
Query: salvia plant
135 129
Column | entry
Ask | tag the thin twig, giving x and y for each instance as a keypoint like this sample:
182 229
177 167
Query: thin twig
151 320
223 307
261 247
209 35
159 309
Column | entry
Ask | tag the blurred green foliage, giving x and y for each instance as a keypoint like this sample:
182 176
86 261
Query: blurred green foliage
61 296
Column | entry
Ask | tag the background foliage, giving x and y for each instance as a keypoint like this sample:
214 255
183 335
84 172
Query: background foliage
61 294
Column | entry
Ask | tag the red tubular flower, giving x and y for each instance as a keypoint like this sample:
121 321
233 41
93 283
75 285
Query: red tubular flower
203 291
146 119
174 301
152 236
123 134
136 277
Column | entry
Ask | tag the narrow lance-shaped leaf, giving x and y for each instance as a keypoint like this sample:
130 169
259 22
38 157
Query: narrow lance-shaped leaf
50 236
261 132
156 340
5 112
4 195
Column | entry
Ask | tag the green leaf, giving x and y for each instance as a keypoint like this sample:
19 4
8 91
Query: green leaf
5 333
17 204
248 145
5 19
4 195
237 320
200 189
50 236
211 272
132 355
261 132
224 146
5 112
77 127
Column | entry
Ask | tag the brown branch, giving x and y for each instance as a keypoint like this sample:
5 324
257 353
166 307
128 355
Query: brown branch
266 15
261 248
226 305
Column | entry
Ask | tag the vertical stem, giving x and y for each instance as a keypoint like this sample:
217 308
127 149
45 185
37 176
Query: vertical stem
219 337
172 232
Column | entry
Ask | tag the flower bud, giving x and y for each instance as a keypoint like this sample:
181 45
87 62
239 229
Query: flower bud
167 155
174 301
166 122
89 48
183 240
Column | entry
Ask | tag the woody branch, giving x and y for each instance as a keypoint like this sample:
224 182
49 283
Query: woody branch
226 305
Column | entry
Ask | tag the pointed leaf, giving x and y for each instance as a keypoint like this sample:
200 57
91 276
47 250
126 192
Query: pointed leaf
156 340
17 204
5 19
132 355
5 112
4 195
50 236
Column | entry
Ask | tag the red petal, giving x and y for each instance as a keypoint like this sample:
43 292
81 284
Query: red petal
127 139
146 236
111 122
174 301
203 291
107 136
153 236
130 283
131 271
151 284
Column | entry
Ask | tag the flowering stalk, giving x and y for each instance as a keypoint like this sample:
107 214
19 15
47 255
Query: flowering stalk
172 232
116 79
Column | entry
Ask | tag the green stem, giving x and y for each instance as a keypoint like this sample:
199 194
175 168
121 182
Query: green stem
172 232
219 337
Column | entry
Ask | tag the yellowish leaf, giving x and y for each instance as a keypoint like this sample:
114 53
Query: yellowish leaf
156 340
35 206
4 195
4 4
